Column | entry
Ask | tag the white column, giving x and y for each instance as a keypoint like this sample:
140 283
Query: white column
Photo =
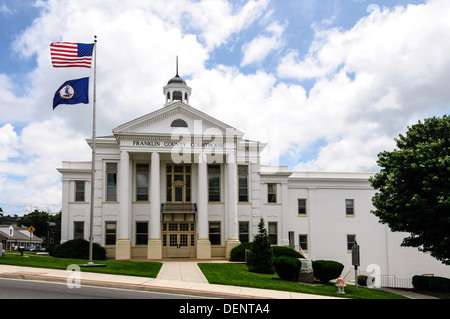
154 248
203 243
123 244
231 219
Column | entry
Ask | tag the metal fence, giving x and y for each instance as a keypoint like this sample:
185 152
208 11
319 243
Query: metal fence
391 281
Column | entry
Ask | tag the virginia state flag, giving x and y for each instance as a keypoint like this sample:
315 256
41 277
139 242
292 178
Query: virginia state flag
72 92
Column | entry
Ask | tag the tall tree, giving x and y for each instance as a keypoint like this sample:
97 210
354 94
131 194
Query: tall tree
260 257
414 187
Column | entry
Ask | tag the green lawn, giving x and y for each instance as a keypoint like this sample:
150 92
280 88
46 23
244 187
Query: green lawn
129 268
238 275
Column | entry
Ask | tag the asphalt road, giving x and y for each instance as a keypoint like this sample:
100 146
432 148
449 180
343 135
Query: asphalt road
27 289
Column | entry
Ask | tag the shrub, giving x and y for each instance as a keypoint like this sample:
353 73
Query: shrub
260 258
287 251
287 268
238 252
438 284
362 280
325 270
79 249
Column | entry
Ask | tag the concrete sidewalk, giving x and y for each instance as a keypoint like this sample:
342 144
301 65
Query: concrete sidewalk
179 277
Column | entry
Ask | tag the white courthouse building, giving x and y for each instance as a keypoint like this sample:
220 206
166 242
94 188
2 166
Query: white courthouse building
179 183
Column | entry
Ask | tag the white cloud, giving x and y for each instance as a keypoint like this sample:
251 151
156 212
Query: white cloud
8 140
261 46
392 68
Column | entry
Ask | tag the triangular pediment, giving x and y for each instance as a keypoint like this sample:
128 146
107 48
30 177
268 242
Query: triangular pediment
175 118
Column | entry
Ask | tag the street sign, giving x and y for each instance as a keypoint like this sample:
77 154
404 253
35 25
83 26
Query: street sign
31 229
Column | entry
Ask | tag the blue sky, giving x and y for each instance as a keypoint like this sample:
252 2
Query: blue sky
327 83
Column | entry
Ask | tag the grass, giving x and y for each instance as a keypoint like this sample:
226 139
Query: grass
128 268
238 275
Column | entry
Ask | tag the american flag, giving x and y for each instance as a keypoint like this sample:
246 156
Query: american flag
66 54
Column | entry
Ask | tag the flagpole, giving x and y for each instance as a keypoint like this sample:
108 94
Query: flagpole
91 225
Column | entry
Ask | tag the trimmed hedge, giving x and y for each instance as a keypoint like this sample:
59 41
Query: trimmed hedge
238 252
287 268
438 284
287 251
325 270
79 249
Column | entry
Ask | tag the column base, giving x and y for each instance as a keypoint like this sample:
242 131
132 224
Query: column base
229 245
203 248
123 249
154 248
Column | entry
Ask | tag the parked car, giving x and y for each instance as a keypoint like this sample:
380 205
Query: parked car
35 248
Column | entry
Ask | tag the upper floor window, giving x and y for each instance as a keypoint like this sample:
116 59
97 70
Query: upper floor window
271 193
142 171
111 182
301 206
214 183
243 183
349 207
80 191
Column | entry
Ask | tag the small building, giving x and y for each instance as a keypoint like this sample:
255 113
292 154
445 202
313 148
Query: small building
18 236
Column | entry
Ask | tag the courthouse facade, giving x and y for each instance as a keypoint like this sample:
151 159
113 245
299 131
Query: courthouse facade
179 183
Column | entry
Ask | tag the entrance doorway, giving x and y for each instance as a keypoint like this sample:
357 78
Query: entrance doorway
179 239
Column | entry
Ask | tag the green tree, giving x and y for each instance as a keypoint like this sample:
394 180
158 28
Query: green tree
260 257
414 187
41 222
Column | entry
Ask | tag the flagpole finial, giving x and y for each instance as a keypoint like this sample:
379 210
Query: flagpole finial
95 38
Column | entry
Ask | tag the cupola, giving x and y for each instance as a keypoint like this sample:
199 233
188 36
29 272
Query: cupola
176 89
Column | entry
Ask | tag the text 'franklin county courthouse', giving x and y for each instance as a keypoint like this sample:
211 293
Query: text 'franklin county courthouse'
179 183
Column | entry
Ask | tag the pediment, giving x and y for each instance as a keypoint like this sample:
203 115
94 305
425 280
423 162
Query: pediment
175 118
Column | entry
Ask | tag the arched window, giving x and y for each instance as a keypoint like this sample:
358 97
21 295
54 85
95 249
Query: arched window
179 123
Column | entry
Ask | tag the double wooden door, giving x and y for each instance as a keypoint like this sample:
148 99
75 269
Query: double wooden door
179 238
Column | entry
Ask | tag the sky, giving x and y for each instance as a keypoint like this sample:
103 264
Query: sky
328 84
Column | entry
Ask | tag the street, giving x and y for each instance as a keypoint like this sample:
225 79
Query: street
27 289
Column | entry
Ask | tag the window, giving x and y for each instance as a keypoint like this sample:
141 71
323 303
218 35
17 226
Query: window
349 207
141 182
271 193
243 183
79 191
141 233
303 241
214 233
179 123
351 239
78 230
301 206
214 183
273 233
110 233
111 182
243 232
178 183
